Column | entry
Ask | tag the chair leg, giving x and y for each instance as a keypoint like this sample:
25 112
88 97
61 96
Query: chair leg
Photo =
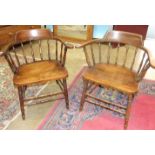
21 100
85 86
130 98
66 93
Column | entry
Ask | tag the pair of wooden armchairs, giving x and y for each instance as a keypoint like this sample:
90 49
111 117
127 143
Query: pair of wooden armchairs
118 61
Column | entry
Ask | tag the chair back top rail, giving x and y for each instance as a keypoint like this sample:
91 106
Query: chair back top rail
30 35
44 47
118 37
123 48
125 37
36 34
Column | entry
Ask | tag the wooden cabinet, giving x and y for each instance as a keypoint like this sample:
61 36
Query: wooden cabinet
140 29
7 31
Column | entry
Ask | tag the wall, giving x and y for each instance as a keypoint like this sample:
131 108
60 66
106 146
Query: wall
151 32
100 30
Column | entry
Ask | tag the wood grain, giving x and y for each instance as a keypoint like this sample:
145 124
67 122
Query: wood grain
41 71
113 76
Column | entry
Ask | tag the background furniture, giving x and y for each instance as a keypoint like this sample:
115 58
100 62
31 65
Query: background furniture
100 30
140 29
40 60
74 33
7 31
119 62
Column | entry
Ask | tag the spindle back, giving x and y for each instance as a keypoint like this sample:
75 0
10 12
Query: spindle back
119 48
34 45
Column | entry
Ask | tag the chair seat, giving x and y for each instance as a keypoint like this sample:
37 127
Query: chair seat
112 76
40 71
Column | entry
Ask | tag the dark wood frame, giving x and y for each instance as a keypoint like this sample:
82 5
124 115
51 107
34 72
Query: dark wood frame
89 35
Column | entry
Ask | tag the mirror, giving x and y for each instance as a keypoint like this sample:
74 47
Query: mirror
74 33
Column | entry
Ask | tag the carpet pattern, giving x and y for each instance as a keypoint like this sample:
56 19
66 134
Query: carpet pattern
61 119
9 103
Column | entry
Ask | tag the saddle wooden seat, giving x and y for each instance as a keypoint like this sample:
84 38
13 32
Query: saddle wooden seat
112 76
41 71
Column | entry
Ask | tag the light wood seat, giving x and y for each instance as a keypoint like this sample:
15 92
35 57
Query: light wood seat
41 71
112 76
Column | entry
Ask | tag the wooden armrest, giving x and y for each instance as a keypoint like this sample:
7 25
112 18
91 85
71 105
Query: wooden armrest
66 44
90 42
4 48
151 57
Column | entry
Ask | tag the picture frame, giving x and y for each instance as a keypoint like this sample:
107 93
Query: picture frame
74 33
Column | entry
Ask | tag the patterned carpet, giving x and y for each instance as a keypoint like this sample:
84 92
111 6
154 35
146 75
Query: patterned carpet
60 118
9 103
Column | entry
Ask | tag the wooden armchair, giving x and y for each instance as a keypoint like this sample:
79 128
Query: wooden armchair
119 62
38 58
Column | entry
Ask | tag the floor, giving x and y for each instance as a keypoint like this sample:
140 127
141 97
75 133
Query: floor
35 113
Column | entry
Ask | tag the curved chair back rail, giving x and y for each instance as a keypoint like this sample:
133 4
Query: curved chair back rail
118 37
119 48
125 38
35 45
36 57
35 34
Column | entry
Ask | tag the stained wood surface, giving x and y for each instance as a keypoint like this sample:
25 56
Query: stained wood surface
41 71
125 37
22 55
7 32
112 76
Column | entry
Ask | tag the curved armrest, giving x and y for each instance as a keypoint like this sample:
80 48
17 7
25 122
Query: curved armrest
151 57
5 48
89 42
66 44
